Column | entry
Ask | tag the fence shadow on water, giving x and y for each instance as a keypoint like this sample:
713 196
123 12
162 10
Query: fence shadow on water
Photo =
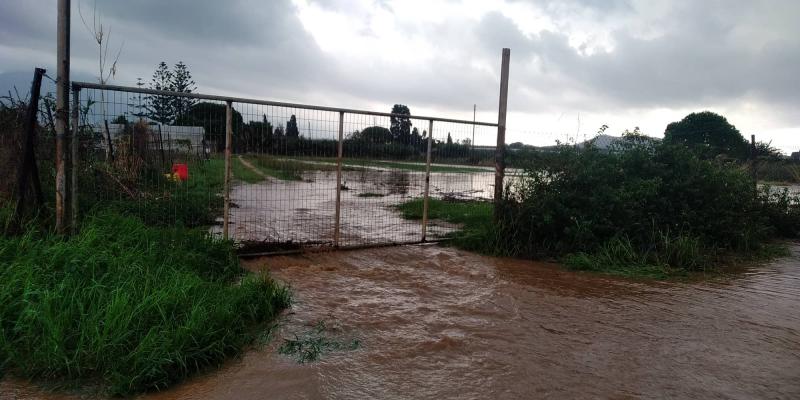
300 175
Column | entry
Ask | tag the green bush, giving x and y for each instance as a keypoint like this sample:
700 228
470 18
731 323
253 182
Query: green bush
133 307
658 205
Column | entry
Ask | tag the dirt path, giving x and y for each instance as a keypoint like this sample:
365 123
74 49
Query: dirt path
253 168
434 322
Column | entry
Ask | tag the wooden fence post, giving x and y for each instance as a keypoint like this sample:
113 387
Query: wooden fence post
27 169
500 150
62 107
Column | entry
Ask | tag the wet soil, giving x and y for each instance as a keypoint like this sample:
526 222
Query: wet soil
436 322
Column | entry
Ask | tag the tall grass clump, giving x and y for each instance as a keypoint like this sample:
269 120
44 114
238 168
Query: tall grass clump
124 305
652 208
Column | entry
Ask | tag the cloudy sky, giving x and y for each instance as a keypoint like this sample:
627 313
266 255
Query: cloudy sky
575 64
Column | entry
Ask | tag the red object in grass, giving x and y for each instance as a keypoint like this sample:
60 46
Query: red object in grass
181 170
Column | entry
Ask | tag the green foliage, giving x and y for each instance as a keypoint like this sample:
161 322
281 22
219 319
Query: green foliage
211 116
291 127
161 108
182 82
709 134
400 124
195 202
130 306
311 345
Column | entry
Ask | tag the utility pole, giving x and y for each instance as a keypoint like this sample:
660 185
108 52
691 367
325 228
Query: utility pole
62 108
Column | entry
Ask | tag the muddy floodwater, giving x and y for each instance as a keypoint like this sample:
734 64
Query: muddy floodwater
303 211
435 322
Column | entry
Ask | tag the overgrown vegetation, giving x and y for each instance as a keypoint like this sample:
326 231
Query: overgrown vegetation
130 306
643 210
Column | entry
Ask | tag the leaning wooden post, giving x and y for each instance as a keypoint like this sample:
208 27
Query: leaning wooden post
74 145
500 151
337 223
62 107
227 195
426 196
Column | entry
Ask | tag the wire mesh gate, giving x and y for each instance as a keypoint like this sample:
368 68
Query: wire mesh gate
273 175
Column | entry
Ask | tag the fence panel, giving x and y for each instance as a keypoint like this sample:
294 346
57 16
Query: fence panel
288 184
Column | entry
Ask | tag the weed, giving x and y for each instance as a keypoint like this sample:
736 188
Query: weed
313 344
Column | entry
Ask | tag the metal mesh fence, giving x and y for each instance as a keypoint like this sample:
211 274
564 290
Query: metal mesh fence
162 156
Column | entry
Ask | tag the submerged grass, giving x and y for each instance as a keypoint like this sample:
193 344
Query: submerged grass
311 345
129 306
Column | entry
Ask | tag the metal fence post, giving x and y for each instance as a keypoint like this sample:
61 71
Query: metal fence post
500 150
337 224
228 140
427 182
74 145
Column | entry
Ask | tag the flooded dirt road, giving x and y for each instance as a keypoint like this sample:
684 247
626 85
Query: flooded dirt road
435 322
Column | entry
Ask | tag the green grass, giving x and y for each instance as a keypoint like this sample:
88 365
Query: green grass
469 213
195 202
126 306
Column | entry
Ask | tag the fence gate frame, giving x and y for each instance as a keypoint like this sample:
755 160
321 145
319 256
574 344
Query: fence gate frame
499 157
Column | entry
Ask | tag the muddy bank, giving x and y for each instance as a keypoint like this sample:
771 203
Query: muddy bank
441 323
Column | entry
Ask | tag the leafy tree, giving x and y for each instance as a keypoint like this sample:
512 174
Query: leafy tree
373 134
279 132
257 136
161 108
708 133
291 127
181 81
449 138
211 116
400 126
120 119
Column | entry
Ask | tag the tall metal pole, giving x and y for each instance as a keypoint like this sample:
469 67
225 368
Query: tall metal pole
62 107
227 186
74 145
500 151
337 224
427 183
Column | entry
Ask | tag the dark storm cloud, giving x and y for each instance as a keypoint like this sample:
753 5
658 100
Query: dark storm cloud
699 61
684 54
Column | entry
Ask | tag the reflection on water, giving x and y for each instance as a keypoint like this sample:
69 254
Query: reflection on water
441 323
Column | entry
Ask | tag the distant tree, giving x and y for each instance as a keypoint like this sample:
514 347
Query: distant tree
373 134
258 135
161 108
708 133
141 103
120 119
291 127
400 126
211 116
181 81
449 138
516 145
466 142
279 132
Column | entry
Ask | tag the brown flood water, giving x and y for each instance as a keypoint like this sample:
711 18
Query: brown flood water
435 322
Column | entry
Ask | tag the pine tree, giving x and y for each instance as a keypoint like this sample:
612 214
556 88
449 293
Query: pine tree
161 108
291 127
181 81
